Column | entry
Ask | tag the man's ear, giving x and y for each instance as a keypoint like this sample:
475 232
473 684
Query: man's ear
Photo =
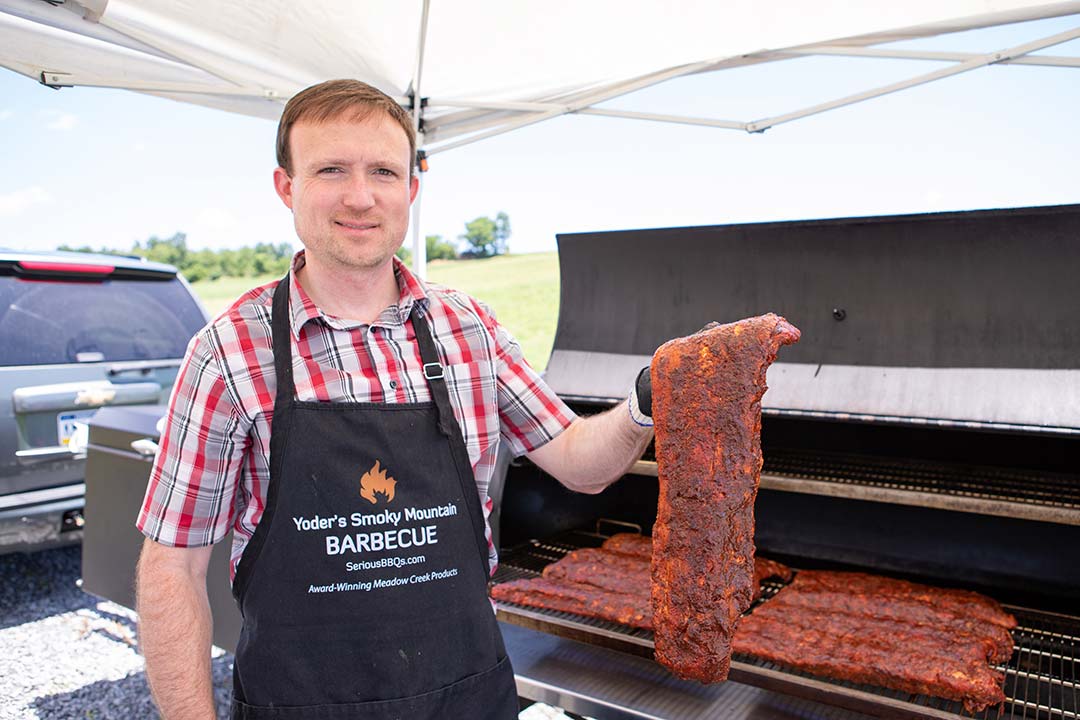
283 186
414 187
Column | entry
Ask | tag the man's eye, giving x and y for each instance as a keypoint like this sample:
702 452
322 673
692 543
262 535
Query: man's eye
385 171
329 170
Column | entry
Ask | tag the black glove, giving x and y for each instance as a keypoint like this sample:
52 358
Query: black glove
643 386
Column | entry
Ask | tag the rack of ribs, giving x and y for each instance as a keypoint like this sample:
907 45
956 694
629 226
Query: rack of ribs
640 547
604 570
959 603
630 544
951 612
893 654
707 391
764 569
602 584
630 574
837 625
630 609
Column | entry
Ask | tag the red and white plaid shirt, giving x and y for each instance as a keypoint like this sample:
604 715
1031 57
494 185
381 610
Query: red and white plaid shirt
212 471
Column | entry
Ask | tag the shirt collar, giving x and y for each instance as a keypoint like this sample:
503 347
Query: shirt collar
411 289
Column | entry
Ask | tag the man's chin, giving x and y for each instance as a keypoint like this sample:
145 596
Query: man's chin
364 263
361 257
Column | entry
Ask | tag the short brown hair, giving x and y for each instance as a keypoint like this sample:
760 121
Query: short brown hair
331 100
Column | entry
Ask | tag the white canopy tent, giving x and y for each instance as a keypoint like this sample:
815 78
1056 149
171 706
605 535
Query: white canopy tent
482 67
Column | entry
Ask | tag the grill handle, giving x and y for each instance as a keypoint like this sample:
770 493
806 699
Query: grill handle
618 524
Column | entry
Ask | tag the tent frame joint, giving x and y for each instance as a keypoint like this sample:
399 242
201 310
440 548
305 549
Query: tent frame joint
411 106
54 80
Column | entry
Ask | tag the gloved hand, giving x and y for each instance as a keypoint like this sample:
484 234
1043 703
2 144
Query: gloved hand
641 397
643 388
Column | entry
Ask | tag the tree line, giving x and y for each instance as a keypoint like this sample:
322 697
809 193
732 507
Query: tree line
483 237
196 265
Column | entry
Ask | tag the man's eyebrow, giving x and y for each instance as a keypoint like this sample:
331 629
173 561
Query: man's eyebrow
323 162
388 162
384 162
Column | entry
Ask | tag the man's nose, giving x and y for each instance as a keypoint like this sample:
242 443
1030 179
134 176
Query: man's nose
358 193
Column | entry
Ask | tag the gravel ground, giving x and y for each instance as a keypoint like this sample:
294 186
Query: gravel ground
66 655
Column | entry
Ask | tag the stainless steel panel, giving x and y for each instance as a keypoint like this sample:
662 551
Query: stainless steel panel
1045 400
610 685
116 479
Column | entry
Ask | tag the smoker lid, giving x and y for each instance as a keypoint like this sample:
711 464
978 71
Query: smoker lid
139 420
948 318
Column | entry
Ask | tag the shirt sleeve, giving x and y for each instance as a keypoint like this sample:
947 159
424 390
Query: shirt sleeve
189 497
530 413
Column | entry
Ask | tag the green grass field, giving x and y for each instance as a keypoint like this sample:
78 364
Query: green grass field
522 289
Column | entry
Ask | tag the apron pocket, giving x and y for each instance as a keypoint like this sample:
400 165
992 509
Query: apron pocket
487 695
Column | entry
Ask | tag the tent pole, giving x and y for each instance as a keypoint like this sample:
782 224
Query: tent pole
841 51
975 63
583 103
419 247
585 100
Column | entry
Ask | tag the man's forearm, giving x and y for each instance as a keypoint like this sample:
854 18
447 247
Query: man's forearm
595 451
175 636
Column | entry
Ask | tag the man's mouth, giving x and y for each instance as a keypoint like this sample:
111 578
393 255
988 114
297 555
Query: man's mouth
356 225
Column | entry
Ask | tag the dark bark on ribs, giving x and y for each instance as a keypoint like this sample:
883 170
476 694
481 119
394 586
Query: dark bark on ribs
604 570
577 598
707 392
860 599
878 652
961 603
630 574
599 584
765 568
630 544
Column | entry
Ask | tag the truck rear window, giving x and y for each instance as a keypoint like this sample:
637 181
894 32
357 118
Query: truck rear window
46 322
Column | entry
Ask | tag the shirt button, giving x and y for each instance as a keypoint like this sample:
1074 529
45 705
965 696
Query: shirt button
393 384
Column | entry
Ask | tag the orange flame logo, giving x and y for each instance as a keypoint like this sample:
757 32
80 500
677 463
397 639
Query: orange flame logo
375 482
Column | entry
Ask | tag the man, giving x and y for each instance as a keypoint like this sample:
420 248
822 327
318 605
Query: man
344 424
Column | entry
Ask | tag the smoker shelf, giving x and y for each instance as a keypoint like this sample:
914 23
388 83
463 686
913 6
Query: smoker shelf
1042 677
1045 497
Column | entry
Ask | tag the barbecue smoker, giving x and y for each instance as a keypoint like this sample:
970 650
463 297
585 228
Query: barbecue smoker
927 426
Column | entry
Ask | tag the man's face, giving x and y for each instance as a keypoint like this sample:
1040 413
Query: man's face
350 190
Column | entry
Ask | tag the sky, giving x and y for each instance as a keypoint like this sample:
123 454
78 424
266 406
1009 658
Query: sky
89 166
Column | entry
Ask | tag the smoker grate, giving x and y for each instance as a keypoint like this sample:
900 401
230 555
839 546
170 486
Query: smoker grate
1042 678
989 483
1007 492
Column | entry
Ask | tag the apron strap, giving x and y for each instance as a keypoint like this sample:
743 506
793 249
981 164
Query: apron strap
282 337
435 374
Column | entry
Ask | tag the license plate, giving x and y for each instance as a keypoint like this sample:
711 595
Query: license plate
65 424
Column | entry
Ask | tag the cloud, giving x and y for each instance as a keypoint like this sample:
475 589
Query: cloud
5 114
15 203
60 120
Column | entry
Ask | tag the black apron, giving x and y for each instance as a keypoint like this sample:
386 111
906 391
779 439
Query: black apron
364 588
